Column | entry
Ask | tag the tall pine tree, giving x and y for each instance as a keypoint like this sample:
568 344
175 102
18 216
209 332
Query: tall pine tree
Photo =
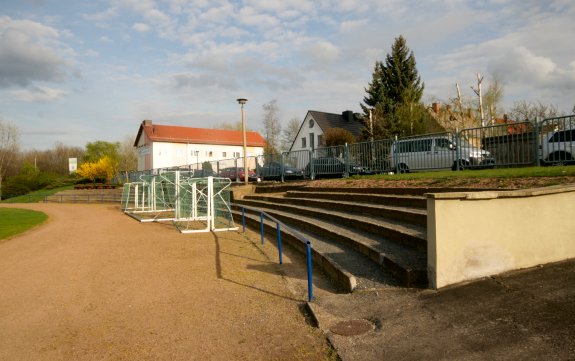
394 95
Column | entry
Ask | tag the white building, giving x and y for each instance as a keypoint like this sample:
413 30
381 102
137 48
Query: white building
163 146
310 134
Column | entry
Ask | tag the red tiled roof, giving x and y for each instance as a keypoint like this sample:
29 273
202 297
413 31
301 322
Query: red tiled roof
178 134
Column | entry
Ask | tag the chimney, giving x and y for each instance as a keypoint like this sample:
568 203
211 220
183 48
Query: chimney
347 115
147 123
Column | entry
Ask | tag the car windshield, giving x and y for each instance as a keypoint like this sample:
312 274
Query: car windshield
462 142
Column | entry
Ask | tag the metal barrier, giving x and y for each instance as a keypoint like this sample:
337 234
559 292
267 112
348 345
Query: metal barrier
328 161
67 198
500 145
422 152
550 142
279 226
374 156
557 141
299 160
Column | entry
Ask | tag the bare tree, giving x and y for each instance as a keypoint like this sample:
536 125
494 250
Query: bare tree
290 132
229 126
128 156
480 96
532 111
493 97
53 160
8 147
272 126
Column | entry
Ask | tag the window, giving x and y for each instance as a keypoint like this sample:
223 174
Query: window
562 136
210 154
303 144
442 144
311 123
320 140
224 154
236 154
311 141
424 145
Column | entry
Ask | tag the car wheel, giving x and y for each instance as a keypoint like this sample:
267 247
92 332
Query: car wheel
463 164
560 158
402 168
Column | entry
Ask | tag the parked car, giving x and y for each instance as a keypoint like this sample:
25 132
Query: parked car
331 166
230 173
437 152
558 147
273 170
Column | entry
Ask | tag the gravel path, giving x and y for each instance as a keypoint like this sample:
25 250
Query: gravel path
94 284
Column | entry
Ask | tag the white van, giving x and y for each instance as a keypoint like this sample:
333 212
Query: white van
558 147
437 152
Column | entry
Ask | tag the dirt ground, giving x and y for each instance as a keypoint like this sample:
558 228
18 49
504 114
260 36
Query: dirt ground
475 183
94 284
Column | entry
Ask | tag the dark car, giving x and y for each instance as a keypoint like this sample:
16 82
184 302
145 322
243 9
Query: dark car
231 174
331 166
273 170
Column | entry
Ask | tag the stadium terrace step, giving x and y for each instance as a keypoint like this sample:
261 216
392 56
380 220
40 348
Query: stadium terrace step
86 196
412 201
369 242
380 206
399 232
348 268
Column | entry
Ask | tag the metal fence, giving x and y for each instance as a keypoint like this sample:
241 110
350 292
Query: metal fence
517 144
557 141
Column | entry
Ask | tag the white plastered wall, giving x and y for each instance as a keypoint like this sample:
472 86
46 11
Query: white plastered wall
479 234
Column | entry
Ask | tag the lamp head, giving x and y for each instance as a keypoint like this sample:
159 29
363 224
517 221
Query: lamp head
242 101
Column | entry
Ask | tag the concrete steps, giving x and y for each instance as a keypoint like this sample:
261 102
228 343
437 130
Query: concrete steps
86 196
367 240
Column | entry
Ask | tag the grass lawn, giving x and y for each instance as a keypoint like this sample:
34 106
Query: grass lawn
498 178
484 173
14 221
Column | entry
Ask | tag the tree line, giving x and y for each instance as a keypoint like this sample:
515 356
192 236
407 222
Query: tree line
392 107
22 172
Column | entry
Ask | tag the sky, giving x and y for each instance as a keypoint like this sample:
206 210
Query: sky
75 71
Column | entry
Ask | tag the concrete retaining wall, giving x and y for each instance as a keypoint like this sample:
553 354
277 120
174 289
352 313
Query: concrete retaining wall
476 234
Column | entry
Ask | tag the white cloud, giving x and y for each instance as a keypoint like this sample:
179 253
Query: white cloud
28 53
520 65
104 15
141 27
351 25
250 16
39 94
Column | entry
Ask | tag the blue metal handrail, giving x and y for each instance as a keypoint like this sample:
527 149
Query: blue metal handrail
295 233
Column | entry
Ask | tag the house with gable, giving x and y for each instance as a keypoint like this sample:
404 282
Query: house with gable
163 146
315 124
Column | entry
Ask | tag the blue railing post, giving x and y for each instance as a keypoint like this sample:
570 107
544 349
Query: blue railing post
244 219
279 235
309 274
262 225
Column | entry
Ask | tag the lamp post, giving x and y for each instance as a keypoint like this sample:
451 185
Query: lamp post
242 101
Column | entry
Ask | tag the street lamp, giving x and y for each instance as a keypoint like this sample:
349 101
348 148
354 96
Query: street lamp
242 101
